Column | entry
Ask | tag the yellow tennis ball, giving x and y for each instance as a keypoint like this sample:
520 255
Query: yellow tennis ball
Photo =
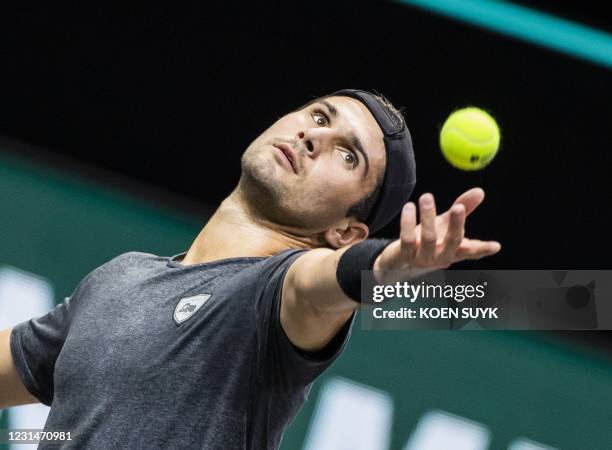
469 138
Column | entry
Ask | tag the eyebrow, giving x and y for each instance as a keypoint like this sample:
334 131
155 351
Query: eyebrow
353 140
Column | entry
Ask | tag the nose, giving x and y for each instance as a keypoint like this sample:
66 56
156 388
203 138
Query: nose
315 140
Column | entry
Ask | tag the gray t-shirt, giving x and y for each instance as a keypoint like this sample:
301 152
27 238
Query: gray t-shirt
148 353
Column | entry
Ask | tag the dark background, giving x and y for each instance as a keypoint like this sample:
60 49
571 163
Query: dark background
171 95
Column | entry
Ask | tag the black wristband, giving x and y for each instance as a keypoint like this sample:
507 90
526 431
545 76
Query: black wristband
357 258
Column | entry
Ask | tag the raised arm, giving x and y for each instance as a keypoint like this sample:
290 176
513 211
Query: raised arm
12 390
314 307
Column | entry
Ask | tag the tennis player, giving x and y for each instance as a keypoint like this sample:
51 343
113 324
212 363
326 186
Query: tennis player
217 347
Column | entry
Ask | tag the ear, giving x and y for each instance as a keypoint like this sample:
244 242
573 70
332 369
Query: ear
351 233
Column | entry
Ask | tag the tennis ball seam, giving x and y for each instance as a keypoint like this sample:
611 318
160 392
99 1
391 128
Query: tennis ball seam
493 138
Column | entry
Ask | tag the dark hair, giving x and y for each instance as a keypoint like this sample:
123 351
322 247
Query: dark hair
362 209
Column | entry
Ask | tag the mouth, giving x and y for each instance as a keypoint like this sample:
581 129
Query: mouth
288 154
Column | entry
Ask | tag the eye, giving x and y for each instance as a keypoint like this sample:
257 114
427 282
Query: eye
349 158
320 118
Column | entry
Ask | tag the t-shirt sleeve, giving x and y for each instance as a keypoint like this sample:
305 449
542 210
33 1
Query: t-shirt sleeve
280 362
35 346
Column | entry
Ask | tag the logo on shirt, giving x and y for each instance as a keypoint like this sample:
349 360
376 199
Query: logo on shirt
188 306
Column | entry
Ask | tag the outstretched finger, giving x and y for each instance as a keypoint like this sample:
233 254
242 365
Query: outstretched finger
408 224
454 235
475 249
470 199
427 210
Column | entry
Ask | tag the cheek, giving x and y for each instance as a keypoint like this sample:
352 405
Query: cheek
286 127
336 189
335 176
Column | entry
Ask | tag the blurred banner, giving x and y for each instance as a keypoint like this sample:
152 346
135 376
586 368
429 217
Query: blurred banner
404 390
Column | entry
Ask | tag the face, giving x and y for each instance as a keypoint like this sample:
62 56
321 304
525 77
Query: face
309 167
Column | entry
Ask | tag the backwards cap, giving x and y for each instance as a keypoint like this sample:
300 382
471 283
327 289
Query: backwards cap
400 170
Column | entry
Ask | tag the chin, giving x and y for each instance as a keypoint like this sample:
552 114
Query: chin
262 171
260 181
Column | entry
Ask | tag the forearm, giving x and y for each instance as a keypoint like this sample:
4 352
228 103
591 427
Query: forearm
12 390
313 278
321 292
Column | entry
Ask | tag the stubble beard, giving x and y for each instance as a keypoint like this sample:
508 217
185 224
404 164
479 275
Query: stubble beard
270 199
262 191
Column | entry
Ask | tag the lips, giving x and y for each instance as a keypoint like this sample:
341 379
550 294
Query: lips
289 154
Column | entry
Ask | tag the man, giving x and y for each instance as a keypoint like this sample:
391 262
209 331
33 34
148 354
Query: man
217 348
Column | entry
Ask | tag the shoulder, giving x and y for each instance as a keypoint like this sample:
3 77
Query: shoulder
283 260
123 259
121 265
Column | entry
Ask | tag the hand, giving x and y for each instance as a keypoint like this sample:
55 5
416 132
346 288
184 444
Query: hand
437 242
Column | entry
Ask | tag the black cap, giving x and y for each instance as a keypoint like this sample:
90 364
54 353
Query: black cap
400 170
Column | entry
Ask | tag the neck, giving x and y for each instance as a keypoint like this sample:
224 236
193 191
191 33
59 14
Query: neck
235 231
